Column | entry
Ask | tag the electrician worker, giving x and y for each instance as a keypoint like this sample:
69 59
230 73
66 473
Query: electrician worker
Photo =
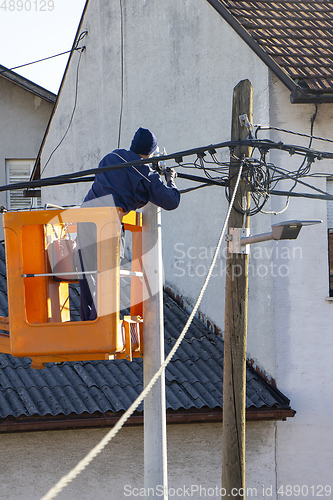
129 188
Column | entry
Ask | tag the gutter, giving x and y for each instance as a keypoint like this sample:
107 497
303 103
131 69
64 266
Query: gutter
204 415
298 95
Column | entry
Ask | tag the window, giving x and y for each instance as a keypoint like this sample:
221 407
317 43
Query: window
330 235
20 171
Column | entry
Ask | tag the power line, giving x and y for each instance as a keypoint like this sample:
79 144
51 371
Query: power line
47 58
262 145
188 190
267 127
300 171
289 176
327 197
75 176
74 108
35 62
261 177
65 179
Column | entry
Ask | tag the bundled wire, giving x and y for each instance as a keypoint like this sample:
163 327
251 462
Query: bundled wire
260 177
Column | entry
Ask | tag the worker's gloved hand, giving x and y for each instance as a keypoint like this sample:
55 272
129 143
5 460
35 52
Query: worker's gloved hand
170 174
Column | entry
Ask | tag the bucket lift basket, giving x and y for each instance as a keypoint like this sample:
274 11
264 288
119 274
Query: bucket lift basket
40 249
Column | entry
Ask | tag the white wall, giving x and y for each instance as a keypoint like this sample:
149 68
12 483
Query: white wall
24 117
35 461
303 316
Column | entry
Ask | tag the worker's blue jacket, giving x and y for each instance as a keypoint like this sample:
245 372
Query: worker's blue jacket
131 187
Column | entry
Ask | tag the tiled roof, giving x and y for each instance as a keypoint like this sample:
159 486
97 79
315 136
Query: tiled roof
296 34
193 378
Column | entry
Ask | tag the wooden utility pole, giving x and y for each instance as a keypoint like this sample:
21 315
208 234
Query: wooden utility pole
236 292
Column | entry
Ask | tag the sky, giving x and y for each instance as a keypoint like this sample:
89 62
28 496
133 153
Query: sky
34 29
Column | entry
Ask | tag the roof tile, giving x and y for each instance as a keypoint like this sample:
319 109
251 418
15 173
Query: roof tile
295 28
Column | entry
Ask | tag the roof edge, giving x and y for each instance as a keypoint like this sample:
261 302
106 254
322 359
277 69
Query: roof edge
205 415
28 85
299 96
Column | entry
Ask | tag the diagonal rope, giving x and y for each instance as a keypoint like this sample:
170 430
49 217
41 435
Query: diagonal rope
65 480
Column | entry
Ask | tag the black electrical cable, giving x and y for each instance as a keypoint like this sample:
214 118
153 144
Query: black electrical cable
308 167
250 211
327 197
65 179
49 57
188 190
259 181
261 177
267 127
154 161
286 176
195 178
48 181
175 156
73 111
35 62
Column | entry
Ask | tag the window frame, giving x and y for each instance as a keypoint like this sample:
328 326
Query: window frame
24 203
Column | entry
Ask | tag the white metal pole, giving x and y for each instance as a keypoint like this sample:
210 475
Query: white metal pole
155 443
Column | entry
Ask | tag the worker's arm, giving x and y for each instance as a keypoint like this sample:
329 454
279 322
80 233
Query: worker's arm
165 196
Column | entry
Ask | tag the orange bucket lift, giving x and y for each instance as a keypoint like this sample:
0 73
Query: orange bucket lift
39 324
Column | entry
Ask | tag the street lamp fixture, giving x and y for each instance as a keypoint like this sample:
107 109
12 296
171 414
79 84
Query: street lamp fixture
239 239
